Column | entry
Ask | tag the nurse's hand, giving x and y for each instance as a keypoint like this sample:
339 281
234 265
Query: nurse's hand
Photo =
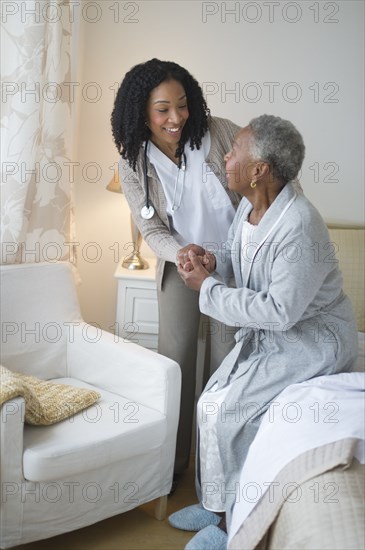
195 277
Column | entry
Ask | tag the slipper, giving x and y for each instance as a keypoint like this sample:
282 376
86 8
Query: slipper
210 538
193 518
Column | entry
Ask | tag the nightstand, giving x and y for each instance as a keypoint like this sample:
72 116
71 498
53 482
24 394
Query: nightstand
137 309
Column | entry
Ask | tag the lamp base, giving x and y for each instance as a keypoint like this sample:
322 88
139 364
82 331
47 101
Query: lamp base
134 261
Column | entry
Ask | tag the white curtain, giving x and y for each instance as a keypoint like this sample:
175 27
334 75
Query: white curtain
38 102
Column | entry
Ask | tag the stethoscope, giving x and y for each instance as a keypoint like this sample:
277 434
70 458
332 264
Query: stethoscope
147 211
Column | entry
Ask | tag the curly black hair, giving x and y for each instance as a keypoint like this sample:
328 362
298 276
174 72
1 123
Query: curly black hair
129 113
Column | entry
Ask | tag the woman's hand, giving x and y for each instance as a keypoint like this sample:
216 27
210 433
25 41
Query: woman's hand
196 274
209 261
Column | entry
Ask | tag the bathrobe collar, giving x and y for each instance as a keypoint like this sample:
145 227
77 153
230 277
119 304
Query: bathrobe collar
272 218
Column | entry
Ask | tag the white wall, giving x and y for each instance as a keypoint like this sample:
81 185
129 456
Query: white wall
300 60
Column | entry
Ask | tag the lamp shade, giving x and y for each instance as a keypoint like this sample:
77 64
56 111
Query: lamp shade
114 184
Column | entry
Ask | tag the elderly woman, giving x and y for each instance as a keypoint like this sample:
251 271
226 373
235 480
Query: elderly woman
293 319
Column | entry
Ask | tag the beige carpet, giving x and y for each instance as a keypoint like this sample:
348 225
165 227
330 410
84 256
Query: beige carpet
134 530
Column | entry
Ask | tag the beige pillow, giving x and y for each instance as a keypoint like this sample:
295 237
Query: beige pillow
45 402
349 249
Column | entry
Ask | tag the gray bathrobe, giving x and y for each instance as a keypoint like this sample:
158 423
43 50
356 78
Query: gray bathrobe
293 320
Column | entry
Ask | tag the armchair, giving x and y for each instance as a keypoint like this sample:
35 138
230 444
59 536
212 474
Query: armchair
107 459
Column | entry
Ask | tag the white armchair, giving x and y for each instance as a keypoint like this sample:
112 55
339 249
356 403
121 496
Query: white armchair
107 459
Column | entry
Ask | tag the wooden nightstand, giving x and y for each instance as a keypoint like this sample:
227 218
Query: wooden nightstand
137 309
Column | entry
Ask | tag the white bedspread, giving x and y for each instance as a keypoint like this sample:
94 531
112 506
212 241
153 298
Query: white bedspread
304 416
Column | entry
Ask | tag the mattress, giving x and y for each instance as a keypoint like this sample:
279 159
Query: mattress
317 502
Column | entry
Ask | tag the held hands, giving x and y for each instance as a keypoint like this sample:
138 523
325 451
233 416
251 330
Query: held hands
196 267
207 259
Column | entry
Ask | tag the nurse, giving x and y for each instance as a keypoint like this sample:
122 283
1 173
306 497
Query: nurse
172 172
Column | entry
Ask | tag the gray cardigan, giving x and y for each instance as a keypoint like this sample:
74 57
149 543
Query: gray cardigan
156 231
292 318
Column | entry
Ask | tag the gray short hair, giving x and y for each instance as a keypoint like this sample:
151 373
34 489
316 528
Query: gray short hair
277 142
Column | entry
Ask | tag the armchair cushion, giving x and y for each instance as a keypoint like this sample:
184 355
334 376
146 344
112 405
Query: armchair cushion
114 429
45 402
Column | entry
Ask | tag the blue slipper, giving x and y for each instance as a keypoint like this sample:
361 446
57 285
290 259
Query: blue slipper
210 538
193 518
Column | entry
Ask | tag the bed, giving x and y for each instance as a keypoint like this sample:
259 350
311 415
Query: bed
309 493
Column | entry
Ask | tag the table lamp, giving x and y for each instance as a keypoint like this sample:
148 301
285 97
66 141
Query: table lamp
133 260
